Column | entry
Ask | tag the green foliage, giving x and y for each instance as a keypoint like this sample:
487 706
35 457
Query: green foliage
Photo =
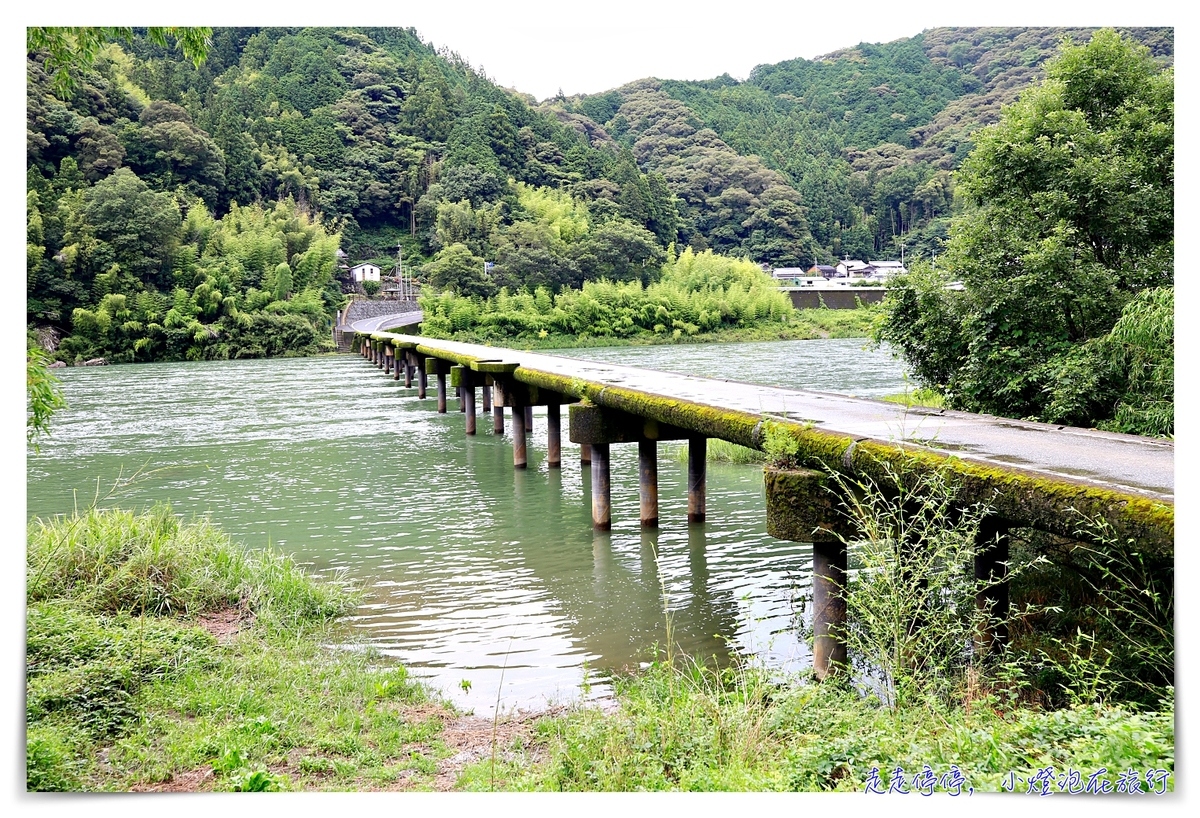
780 446
696 293
1073 216
43 394
371 288
910 607
689 728
252 284
722 451
70 50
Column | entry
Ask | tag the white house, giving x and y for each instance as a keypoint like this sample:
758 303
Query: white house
789 273
853 268
887 269
364 272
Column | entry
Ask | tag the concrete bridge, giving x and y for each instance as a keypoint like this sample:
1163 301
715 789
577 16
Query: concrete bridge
1110 489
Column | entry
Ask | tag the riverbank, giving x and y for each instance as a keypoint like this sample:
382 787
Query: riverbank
162 656
803 325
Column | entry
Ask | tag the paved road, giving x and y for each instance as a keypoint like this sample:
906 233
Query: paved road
1144 466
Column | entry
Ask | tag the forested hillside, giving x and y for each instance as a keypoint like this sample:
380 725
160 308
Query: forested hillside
183 210
193 211
862 141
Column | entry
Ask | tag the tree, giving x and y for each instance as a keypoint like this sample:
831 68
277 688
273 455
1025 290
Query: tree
135 225
1073 200
70 50
459 270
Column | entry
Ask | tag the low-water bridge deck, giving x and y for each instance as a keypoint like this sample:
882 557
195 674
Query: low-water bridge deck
1072 482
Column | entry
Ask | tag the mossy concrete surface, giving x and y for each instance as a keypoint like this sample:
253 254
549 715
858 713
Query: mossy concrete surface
594 424
801 507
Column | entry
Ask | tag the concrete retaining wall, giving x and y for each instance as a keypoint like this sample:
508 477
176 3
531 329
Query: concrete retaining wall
841 298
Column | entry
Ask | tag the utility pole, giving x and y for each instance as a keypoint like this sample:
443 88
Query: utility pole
402 278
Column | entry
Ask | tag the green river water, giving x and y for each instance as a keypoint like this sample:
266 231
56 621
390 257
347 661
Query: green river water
472 570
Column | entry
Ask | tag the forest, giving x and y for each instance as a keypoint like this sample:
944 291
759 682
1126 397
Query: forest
166 196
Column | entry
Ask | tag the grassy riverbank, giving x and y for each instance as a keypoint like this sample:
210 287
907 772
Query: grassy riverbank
163 656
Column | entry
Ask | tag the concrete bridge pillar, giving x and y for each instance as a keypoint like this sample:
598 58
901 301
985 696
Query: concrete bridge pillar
441 369
519 450
468 392
529 418
601 500
422 380
801 508
554 436
595 429
497 418
585 454
379 354
487 395
829 607
648 482
697 467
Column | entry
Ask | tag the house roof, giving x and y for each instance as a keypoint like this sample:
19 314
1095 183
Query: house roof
364 264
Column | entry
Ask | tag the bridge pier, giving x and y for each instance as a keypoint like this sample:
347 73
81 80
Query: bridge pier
595 429
487 395
553 436
648 482
468 392
441 369
697 472
529 418
519 448
601 499
829 607
497 418
422 380
387 359
379 353
585 454
991 567
800 508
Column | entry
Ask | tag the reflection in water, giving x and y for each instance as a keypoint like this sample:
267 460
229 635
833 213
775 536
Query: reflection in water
468 566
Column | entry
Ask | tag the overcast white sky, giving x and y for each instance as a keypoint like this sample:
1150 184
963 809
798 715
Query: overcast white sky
588 46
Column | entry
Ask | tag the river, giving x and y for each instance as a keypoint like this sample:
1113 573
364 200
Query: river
472 571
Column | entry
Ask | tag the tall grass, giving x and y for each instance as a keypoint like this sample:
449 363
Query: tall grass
115 561
721 451
111 597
